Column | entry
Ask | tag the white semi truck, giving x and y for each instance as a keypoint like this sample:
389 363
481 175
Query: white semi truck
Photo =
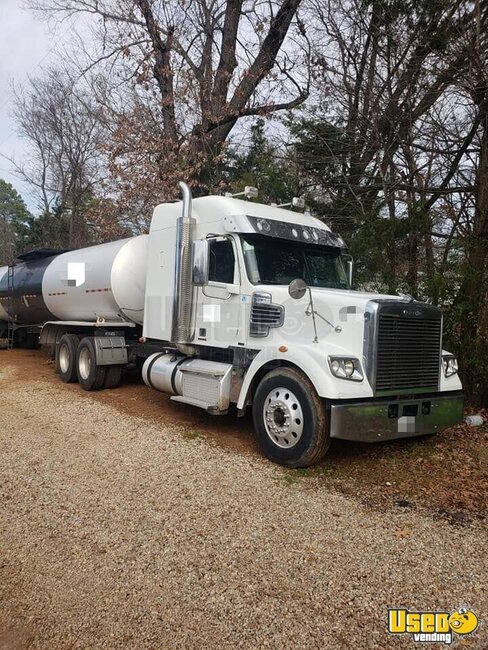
232 303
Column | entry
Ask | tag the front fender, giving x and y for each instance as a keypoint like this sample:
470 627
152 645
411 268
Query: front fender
313 366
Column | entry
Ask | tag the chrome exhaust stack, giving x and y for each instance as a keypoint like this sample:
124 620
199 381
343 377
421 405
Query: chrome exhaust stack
183 287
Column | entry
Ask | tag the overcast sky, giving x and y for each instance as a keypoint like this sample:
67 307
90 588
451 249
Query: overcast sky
26 45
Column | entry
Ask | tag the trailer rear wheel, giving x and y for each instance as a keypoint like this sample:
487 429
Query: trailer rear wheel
90 375
112 376
289 419
66 358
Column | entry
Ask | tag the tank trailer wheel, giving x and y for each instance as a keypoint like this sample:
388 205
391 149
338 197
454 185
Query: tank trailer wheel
289 419
90 375
65 361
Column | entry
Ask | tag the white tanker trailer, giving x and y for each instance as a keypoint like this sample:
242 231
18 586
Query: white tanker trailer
108 279
227 302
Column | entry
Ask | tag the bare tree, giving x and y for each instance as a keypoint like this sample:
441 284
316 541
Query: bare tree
63 129
190 71
384 71
383 66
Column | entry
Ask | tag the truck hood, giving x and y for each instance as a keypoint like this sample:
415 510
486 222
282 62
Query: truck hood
339 317
354 297
334 301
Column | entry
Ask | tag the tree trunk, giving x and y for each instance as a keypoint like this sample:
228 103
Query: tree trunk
474 289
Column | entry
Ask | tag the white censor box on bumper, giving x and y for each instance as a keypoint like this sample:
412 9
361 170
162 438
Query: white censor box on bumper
406 424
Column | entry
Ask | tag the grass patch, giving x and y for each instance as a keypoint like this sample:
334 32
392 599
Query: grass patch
293 476
290 479
302 472
191 434
322 470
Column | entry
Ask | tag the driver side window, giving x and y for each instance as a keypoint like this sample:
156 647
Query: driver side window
222 261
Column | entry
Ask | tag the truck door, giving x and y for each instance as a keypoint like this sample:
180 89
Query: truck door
218 310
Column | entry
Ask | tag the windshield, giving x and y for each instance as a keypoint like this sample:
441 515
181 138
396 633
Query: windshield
279 261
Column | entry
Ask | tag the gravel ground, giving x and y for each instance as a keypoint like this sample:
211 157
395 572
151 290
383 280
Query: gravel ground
117 533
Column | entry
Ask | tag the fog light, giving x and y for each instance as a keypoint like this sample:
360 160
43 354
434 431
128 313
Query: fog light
425 408
393 411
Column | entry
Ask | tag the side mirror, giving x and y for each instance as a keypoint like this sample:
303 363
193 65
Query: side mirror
297 288
349 270
200 262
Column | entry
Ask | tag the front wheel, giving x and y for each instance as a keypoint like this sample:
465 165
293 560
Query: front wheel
289 419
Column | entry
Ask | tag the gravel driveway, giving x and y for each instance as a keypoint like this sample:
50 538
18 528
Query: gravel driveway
117 533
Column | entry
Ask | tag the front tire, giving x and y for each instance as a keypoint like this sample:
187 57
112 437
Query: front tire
289 419
90 375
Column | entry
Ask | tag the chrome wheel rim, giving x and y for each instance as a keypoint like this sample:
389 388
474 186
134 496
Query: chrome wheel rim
283 417
84 363
63 358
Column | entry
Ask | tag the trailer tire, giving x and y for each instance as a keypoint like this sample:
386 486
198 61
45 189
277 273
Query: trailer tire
65 362
289 419
90 375
112 376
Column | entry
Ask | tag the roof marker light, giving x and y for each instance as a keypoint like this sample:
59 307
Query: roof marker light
296 202
249 192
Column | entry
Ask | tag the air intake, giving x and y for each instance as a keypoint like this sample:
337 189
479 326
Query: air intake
264 314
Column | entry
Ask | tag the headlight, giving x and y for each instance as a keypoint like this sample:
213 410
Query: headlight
346 368
450 365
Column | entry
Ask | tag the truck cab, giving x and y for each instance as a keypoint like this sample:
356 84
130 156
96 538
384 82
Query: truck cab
269 298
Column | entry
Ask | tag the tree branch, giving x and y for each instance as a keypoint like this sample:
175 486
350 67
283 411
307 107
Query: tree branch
162 68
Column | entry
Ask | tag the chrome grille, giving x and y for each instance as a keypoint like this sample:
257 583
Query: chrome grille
408 347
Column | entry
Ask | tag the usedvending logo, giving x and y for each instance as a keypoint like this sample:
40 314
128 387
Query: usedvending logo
432 627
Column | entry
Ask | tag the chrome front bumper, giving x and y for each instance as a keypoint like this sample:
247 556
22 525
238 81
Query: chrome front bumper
387 419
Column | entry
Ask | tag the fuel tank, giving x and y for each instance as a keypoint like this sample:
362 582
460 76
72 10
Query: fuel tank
105 281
